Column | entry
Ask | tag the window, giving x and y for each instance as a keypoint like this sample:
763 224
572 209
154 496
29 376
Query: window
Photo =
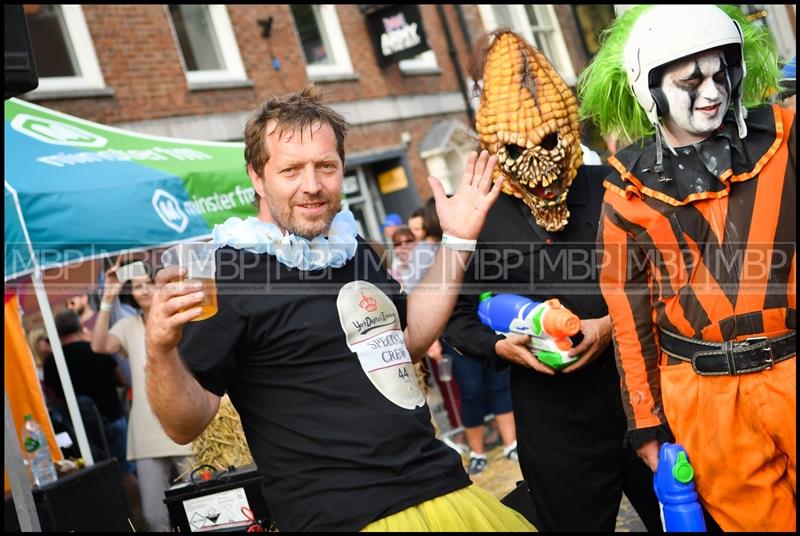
323 43
424 63
62 48
539 26
207 44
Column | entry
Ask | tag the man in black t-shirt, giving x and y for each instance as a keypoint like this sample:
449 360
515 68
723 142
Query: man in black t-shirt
95 376
314 342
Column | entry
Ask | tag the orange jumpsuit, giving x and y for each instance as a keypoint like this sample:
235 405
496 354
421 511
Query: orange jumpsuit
710 255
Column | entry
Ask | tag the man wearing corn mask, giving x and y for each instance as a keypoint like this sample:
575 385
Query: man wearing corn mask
538 241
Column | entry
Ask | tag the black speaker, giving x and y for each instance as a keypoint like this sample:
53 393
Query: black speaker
20 67
215 505
89 500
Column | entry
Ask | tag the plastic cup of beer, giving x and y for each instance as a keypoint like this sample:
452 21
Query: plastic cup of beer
199 261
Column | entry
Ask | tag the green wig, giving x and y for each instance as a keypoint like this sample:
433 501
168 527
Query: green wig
606 98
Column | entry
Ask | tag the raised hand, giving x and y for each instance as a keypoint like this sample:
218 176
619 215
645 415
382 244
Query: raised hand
112 285
463 214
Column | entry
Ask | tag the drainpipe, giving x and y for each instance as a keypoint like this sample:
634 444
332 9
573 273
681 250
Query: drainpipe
451 48
462 23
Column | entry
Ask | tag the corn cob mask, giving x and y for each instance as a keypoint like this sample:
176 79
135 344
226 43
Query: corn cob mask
528 118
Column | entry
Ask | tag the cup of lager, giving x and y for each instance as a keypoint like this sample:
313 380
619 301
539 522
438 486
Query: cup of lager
198 259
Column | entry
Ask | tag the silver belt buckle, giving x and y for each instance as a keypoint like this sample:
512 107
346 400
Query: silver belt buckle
767 348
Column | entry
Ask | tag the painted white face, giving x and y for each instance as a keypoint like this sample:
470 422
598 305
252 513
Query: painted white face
698 91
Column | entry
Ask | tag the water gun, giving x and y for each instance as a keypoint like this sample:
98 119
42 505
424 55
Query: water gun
549 324
674 485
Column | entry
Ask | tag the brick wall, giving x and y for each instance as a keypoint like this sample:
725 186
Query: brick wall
387 135
140 62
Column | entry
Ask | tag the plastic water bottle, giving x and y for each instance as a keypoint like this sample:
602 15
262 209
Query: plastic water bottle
37 453
674 484
549 324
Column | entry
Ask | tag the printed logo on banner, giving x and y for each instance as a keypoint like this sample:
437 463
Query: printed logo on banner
169 210
56 132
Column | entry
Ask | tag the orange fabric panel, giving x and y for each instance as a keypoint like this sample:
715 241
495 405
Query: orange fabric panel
762 234
660 233
715 212
709 294
636 356
21 383
740 434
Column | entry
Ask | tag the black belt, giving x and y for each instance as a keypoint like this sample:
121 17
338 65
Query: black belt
730 357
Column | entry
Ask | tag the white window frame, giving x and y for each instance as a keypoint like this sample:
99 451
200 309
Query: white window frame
559 54
422 63
77 32
228 47
341 66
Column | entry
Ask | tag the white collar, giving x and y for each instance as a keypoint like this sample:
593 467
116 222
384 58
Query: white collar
293 251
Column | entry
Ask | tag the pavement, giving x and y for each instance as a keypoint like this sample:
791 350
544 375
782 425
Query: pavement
501 476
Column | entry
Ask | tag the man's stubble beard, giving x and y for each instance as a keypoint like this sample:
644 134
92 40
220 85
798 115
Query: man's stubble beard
309 229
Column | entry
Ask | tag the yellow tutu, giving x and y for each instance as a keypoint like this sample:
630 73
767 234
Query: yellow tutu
469 509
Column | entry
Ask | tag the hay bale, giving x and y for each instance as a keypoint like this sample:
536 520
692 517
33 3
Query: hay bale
222 444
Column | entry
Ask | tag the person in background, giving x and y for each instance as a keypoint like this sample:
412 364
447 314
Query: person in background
538 242
422 223
390 224
80 305
158 458
40 347
483 391
403 241
95 376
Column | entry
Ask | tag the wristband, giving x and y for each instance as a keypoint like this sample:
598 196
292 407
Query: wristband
459 244
106 306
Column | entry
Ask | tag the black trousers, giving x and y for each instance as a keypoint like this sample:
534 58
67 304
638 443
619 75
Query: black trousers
570 430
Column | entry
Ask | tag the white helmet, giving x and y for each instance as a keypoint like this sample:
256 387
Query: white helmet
665 33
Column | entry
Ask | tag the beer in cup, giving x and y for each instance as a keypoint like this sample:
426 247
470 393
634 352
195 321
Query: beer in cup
198 260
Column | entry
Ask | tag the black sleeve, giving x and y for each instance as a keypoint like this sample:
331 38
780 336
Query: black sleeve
210 347
637 438
469 336
51 378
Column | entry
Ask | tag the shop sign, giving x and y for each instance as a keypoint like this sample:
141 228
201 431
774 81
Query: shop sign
397 33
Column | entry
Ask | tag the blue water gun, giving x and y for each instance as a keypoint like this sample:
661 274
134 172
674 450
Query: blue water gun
674 484
549 324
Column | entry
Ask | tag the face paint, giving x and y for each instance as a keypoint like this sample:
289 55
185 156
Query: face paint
528 118
698 92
